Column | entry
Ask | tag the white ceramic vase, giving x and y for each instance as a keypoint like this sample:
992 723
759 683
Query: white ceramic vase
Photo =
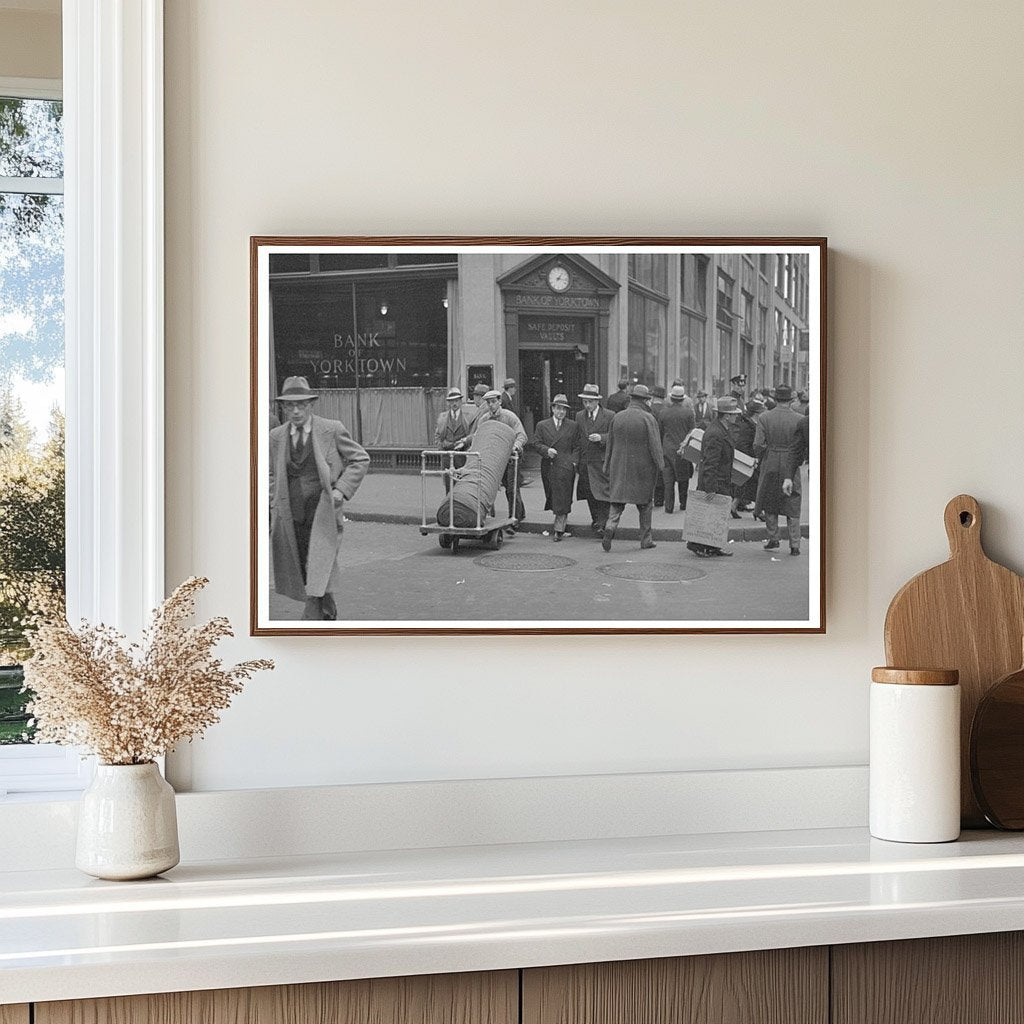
127 825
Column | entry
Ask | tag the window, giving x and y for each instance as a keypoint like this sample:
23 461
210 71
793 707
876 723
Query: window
701 289
747 327
724 309
691 344
32 552
647 332
344 334
650 270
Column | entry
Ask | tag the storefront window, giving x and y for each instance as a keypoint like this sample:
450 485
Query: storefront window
341 334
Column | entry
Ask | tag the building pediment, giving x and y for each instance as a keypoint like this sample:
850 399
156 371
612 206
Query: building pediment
533 275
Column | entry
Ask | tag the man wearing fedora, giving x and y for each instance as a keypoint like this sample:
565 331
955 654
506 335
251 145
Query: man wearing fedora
716 454
557 440
633 464
479 390
508 395
594 423
780 442
675 422
451 432
315 467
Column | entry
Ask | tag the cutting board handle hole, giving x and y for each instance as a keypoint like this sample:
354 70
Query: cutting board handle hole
966 519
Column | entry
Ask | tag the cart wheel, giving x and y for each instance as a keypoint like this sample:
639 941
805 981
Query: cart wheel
455 545
496 539
444 539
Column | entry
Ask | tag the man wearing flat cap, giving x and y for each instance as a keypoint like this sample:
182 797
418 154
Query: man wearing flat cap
315 467
557 441
494 411
633 464
594 423
780 442
451 432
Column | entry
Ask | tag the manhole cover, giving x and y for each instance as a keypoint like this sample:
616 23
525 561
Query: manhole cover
652 572
524 562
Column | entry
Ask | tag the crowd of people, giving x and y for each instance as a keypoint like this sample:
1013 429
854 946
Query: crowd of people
627 449
631 449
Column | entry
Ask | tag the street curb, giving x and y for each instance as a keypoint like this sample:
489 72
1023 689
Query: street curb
736 533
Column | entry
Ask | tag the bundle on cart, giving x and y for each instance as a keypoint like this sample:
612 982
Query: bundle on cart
475 486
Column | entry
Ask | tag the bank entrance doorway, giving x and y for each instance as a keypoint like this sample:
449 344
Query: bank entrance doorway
544 375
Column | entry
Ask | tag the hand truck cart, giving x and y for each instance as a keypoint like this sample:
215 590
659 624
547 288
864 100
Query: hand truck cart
449 537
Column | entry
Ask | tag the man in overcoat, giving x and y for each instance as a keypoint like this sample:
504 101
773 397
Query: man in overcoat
781 444
618 401
715 473
594 423
451 432
633 464
742 433
702 409
675 422
315 467
557 440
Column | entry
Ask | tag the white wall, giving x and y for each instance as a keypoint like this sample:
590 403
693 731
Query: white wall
894 129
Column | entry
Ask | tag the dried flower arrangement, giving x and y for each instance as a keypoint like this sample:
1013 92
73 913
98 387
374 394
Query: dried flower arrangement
129 704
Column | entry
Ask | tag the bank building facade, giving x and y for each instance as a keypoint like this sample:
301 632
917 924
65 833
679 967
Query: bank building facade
381 336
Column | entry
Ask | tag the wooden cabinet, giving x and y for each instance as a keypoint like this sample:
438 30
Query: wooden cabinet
777 986
966 979
481 998
961 979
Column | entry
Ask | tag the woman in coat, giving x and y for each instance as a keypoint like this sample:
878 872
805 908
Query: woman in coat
558 440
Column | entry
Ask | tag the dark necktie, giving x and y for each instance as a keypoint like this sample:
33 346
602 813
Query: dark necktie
300 443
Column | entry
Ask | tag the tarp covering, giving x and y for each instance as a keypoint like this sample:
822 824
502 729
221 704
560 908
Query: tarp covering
477 483
390 417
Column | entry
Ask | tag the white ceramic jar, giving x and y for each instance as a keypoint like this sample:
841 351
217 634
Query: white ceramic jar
915 755
127 823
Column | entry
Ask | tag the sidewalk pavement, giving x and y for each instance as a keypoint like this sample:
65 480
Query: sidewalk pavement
396 497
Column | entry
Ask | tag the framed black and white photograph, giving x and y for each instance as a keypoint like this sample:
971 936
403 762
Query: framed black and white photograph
537 435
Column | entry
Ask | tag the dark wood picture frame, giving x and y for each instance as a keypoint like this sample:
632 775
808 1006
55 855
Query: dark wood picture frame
813 342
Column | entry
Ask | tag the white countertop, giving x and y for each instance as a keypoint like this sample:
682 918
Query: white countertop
225 924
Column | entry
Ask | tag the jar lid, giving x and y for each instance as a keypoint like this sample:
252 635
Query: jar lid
916 676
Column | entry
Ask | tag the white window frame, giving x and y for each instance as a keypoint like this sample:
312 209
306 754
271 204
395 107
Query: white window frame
114 344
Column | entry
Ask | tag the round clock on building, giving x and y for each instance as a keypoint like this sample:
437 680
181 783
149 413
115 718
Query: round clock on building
558 278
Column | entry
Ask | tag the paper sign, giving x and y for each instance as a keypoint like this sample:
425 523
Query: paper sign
707 519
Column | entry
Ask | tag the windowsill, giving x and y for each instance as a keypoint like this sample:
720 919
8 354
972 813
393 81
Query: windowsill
237 923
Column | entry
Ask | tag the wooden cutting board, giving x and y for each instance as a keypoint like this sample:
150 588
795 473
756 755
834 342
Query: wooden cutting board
967 614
